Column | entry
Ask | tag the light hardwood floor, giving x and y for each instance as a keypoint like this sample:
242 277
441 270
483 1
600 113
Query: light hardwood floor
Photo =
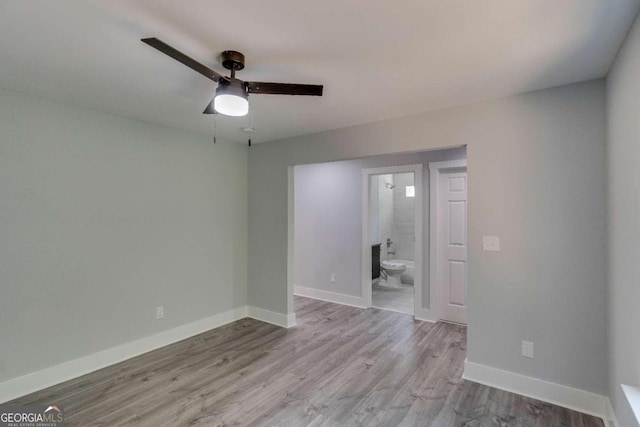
341 366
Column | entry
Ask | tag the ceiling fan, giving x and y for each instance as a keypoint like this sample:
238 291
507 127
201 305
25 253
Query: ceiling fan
232 94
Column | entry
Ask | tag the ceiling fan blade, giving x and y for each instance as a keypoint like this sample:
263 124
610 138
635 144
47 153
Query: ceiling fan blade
283 88
210 109
181 57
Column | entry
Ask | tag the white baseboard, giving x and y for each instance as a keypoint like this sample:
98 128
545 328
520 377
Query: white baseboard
330 296
610 420
425 315
30 383
278 319
48 377
567 397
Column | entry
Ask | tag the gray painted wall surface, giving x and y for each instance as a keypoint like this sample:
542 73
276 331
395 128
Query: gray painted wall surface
328 219
380 207
536 179
623 106
104 218
403 232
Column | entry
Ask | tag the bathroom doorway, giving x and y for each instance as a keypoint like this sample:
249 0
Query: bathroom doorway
392 238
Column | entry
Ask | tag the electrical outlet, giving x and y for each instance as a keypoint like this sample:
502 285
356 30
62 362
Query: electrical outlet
159 312
527 349
491 243
333 277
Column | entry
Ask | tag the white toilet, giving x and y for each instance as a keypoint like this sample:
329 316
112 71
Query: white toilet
393 270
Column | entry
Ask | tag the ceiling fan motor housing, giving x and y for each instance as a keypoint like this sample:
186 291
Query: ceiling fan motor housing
232 60
232 86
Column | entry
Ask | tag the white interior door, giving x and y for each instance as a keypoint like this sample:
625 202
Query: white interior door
452 238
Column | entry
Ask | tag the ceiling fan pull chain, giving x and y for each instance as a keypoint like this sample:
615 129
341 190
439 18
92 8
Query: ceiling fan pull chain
215 127
250 127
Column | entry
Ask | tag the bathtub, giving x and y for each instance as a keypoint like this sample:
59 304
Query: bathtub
407 276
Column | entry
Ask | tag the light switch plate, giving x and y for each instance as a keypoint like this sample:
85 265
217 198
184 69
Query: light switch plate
527 349
490 243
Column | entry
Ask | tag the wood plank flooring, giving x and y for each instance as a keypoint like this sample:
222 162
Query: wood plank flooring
341 366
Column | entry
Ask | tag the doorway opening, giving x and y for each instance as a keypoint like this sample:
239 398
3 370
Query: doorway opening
333 240
392 219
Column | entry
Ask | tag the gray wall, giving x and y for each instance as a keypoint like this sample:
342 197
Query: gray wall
104 218
623 105
380 208
536 179
403 231
328 219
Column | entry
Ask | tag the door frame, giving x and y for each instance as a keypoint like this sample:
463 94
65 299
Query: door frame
435 171
418 236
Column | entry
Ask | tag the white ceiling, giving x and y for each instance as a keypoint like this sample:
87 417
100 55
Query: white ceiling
377 59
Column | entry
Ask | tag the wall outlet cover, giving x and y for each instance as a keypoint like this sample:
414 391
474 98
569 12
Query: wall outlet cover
527 349
159 312
333 277
491 243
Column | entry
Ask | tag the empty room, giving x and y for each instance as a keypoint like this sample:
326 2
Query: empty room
341 213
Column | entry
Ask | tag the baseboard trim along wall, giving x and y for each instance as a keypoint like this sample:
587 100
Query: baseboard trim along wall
278 319
567 397
611 420
30 383
330 296
425 315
